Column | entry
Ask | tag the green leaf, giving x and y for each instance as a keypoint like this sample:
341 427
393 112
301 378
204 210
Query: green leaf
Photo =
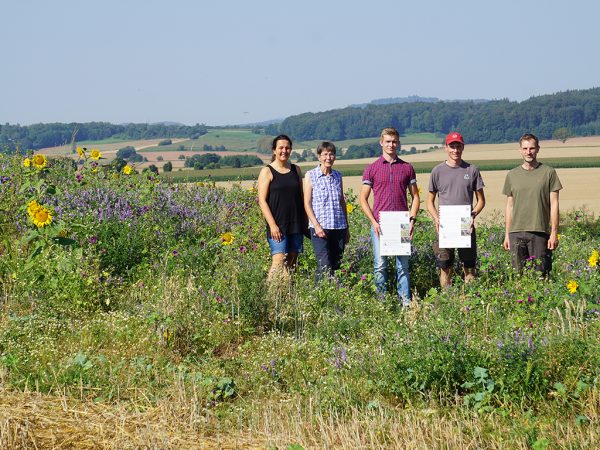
581 420
480 373
64 241
560 388
36 252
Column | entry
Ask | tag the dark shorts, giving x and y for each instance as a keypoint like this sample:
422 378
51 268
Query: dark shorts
530 246
290 243
444 257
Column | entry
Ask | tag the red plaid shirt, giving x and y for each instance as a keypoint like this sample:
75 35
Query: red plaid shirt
389 183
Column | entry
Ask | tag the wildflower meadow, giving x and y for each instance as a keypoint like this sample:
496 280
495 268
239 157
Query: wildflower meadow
146 302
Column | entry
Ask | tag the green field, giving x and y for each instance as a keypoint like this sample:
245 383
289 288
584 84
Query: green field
232 139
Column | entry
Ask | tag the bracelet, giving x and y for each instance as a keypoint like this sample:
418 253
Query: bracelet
474 214
412 219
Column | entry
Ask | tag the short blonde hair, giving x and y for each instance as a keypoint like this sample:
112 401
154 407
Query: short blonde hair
390 131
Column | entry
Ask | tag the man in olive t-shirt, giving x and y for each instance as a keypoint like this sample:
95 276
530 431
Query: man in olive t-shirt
532 213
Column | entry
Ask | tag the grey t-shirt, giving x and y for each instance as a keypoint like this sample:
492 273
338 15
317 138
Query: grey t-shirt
455 185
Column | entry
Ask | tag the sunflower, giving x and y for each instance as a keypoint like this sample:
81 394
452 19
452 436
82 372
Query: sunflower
226 238
95 154
33 207
572 286
349 208
593 260
41 217
27 162
127 170
39 161
81 152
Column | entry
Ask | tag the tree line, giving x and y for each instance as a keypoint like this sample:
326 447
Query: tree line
578 111
53 134
214 161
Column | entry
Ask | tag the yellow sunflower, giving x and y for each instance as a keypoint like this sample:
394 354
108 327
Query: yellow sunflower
572 286
226 238
33 207
27 162
81 152
349 208
39 161
127 170
593 260
41 217
95 154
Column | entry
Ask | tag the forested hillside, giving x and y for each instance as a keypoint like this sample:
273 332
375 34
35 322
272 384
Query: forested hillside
493 121
51 134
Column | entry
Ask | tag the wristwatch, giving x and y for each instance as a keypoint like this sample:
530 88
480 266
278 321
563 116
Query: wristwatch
412 219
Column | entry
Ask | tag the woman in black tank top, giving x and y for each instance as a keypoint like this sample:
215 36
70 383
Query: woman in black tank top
281 202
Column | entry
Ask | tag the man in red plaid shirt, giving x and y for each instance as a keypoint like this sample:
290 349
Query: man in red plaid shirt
389 177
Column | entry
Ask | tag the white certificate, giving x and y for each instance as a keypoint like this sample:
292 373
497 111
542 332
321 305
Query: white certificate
395 237
455 226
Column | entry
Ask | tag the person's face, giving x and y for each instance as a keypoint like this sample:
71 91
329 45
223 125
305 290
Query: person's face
283 150
529 150
455 150
389 144
327 158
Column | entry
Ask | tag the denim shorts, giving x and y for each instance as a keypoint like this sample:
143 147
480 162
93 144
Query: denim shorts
290 243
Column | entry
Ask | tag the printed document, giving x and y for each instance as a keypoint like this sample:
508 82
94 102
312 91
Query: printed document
395 237
455 226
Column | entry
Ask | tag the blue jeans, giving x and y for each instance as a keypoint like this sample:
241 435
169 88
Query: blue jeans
380 272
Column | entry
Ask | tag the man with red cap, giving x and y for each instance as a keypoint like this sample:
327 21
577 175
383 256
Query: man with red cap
457 182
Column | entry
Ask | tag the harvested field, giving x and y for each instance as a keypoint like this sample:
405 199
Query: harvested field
107 150
577 147
576 192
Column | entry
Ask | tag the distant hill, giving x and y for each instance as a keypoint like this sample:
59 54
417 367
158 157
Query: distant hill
478 120
392 100
413 99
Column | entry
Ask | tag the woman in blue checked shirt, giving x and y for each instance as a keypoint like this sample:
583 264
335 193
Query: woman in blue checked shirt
326 209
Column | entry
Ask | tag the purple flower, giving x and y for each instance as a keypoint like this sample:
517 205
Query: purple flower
93 240
363 277
175 253
243 249
529 299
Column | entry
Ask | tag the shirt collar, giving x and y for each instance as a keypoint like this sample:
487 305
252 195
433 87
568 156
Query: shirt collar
394 161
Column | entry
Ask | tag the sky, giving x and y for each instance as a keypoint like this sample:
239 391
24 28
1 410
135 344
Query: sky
222 62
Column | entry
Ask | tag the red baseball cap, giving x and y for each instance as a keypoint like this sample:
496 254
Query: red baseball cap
454 137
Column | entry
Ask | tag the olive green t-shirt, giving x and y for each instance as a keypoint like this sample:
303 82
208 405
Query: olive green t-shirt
530 190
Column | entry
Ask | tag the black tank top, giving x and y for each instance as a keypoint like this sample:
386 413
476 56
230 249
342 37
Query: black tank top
285 201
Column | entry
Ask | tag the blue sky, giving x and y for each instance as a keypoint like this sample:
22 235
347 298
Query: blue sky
231 61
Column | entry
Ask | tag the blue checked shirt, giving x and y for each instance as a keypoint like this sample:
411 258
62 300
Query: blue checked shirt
327 198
